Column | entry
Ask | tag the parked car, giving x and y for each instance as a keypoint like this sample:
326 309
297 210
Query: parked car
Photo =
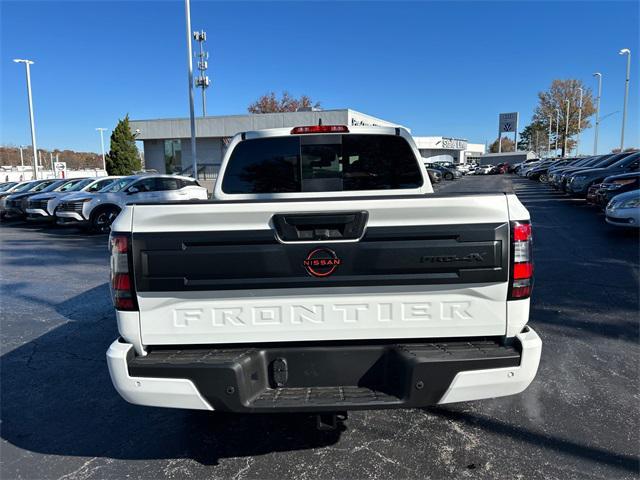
524 170
15 204
463 168
434 175
484 169
601 193
562 174
516 167
499 169
98 211
624 210
554 174
7 185
447 173
42 206
540 172
381 295
579 181
19 187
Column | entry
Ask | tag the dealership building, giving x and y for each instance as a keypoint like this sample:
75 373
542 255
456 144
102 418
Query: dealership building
167 142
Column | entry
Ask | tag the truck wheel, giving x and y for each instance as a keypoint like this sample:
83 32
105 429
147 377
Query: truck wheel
448 176
102 219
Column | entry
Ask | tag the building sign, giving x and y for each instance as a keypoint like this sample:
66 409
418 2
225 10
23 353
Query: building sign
454 143
508 122
60 169
362 123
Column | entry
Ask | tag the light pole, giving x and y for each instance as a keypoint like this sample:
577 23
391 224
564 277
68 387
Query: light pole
579 122
557 128
595 138
192 118
566 131
627 52
21 158
104 161
549 136
27 64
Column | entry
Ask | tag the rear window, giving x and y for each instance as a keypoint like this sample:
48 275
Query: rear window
322 163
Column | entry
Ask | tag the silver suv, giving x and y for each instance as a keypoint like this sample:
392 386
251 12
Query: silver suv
98 211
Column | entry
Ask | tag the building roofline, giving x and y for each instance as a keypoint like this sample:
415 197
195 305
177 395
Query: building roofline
248 114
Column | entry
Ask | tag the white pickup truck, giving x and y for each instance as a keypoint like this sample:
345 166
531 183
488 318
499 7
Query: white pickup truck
324 275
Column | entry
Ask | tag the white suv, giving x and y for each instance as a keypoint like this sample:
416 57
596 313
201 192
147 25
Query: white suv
43 206
99 210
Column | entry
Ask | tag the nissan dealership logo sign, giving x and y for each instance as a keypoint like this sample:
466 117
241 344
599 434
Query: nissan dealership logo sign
454 143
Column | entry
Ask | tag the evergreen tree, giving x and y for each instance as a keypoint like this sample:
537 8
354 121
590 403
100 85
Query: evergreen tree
123 157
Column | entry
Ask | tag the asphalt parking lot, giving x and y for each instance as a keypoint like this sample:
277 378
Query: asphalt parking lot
61 418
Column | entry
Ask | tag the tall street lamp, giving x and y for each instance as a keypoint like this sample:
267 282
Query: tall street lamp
21 157
104 161
595 138
579 122
627 52
557 128
566 131
27 64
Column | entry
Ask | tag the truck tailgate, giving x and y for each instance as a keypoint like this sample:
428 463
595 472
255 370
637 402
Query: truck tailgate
223 272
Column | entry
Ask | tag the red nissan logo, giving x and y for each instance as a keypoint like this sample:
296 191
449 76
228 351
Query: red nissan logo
321 262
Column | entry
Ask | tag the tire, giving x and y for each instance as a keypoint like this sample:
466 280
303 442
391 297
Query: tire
448 176
102 218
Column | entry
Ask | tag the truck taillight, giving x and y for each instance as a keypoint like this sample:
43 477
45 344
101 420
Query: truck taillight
122 286
521 282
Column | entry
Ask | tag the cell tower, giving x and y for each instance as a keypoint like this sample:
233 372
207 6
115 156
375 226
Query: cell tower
202 81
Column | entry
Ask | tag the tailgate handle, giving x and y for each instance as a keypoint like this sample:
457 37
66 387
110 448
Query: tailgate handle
300 227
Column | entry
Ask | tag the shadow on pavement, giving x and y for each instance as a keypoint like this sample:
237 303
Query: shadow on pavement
524 435
57 398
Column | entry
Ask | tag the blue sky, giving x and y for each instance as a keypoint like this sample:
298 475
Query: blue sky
440 68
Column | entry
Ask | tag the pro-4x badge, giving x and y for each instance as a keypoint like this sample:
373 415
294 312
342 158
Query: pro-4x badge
321 262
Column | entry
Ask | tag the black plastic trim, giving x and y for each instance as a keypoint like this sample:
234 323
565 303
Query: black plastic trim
325 377
255 259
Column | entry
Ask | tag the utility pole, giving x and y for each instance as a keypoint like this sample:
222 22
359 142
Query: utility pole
53 170
627 52
595 138
192 118
566 131
27 64
203 80
104 161
21 158
579 123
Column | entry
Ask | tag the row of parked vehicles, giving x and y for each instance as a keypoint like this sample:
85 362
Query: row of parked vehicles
450 171
610 182
91 203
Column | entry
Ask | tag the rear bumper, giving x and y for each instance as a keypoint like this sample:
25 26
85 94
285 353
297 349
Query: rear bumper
325 378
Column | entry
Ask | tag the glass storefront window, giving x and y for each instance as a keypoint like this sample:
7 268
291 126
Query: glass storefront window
172 156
